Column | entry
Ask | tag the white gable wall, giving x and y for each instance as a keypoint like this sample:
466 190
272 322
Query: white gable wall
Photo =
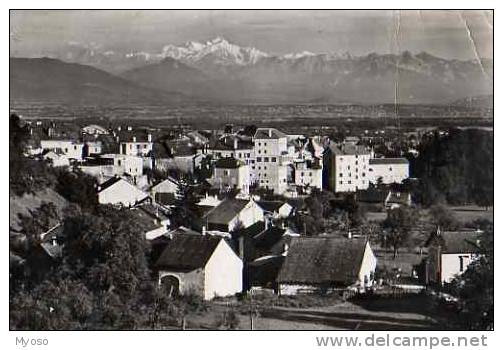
368 265
121 192
223 274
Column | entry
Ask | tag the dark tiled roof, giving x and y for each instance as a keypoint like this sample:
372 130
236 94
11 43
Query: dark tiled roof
453 242
146 221
110 182
347 149
371 196
186 252
322 260
226 211
268 133
228 163
271 206
373 161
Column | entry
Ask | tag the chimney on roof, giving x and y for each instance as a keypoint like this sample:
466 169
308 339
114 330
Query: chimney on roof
149 137
119 128
285 249
129 128
350 235
134 138
235 143
270 132
203 230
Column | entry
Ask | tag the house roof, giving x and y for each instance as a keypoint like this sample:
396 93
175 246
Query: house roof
453 242
186 252
347 149
271 206
322 260
371 196
110 182
146 221
377 161
226 211
228 163
268 133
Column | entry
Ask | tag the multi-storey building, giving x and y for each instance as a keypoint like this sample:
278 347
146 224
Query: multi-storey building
230 173
70 148
346 167
388 170
270 169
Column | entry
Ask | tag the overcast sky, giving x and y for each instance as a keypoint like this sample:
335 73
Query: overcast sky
454 34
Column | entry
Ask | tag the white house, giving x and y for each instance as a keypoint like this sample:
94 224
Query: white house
168 185
134 143
230 173
308 173
201 264
324 263
346 167
120 192
389 170
269 170
70 148
56 158
228 214
450 254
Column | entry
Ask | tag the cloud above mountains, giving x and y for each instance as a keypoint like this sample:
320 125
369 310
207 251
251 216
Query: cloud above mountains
449 34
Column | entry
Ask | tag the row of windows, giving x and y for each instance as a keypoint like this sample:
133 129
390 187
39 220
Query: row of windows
349 174
349 183
266 159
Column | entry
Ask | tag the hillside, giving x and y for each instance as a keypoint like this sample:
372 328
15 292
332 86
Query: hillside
52 80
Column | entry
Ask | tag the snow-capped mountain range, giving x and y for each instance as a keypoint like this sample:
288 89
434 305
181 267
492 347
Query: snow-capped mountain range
220 70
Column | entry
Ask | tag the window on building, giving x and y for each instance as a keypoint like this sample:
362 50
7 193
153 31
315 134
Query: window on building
247 155
259 159
390 169
302 174
356 163
363 174
119 162
226 172
340 175
340 182
461 264
349 167
259 151
273 159
266 159
356 156
349 182
259 144
265 151
265 143
265 168
239 155
310 173
137 146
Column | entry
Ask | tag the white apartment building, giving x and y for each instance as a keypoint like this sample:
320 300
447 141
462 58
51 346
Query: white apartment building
232 146
71 149
230 173
346 167
135 144
389 170
270 170
308 174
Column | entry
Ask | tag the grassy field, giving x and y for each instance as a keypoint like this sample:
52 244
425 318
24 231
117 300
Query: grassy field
407 313
469 213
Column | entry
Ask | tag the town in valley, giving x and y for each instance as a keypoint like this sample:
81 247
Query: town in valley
166 214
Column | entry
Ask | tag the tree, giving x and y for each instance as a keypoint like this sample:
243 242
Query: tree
397 227
475 289
443 217
77 187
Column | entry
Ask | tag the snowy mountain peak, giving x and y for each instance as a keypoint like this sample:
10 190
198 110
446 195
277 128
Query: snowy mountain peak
217 50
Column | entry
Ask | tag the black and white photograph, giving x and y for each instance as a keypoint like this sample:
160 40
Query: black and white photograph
251 170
